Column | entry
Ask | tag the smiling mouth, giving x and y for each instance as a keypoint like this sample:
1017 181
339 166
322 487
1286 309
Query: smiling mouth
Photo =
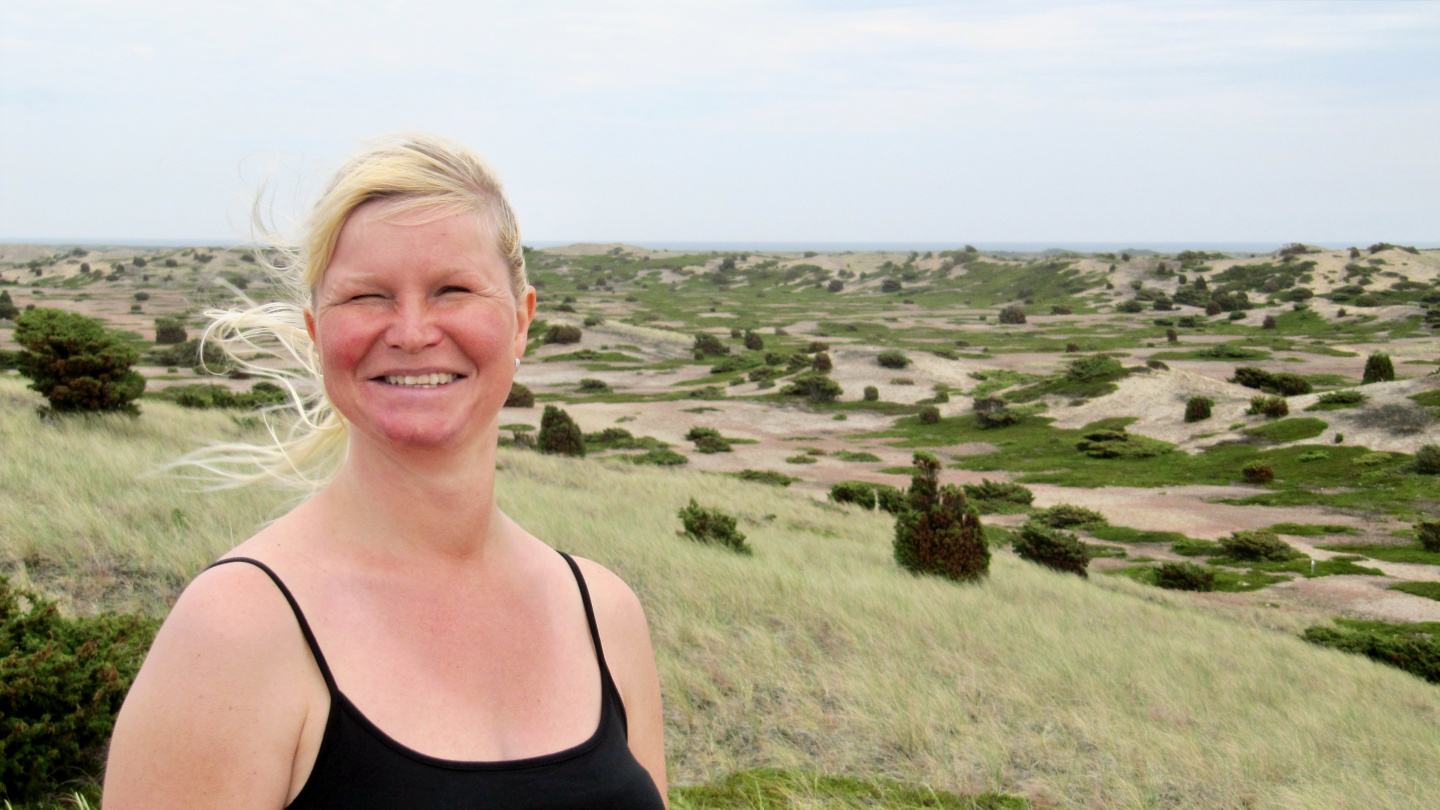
420 380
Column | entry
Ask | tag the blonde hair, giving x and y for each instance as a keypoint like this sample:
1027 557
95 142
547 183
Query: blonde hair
308 436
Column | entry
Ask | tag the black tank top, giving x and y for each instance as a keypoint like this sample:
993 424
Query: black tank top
359 767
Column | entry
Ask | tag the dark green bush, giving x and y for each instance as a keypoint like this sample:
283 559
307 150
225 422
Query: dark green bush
1184 576
796 362
563 333
998 497
998 418
61 683
770 477
1415 650
1121 444
1427 460
1257 545
1130 305
1012 314
1379 368
890 285
821 362
1270 407
712 526
706 343
659 456
711 444
892 359
1257 472
1428 533
929 415
753 341
76 363
8 310
856 492
559 435
816 387
169 330
872 394
1093 367
936 532
1051 548
519 397
590 385
1197 409
1065 515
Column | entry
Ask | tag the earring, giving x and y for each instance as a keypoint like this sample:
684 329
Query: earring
517 364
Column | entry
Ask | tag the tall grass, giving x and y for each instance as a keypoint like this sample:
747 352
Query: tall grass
817 653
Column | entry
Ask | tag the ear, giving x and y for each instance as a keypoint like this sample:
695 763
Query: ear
524 316
310 324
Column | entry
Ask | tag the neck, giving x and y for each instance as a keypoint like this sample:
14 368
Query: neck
435 503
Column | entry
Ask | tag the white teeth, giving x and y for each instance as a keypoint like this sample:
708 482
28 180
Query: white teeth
422 380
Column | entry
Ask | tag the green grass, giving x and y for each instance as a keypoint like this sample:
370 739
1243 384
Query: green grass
860 457
1430 399
1289 430
1388 553
1226 581
1429 590
1336 566
1125 534
1312 529
776 789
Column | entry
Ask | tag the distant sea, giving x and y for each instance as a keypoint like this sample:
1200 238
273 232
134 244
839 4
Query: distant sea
818 245
986 247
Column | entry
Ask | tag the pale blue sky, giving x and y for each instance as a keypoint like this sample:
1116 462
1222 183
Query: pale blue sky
1051 122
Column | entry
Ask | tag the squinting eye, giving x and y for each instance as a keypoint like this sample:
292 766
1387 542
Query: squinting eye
444 290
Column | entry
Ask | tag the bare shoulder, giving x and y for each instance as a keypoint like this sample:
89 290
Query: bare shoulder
224 691
616 605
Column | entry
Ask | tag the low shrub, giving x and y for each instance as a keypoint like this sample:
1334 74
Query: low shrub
590 385
1331 400
1427 460
892 359
1093 367
1428 533
999 497
929 415
822 362
707 344
815 387
563 333
709 444
1197 409
936 532
1378 368
559 435
753 341
1184 576
659 456
76 363
1270 407
768 477
1257 545
856 492
872 394
1414 649
1065 515
1012 314
61 683
1257 472
169 330
1120 444
519 397
712 526
1051 548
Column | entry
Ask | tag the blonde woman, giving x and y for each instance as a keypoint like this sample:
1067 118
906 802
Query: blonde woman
396 641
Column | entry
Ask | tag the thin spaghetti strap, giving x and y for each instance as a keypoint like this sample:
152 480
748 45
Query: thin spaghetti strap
589 613
305 626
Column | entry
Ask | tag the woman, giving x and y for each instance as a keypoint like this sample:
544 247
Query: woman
444 657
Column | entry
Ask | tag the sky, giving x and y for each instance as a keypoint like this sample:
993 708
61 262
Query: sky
669 121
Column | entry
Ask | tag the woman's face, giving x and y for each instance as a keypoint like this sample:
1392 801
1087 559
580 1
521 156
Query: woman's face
417 327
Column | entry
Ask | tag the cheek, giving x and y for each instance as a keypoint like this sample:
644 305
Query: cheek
344 341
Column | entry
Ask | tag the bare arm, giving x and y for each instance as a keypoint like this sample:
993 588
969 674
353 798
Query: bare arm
626 638
219 707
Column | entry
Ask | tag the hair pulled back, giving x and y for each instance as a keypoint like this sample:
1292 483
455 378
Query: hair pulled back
270 341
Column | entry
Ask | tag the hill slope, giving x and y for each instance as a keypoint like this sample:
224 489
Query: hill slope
817 652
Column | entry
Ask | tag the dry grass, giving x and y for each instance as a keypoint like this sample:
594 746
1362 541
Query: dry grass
817 652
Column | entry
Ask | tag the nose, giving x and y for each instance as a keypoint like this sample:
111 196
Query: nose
414 327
